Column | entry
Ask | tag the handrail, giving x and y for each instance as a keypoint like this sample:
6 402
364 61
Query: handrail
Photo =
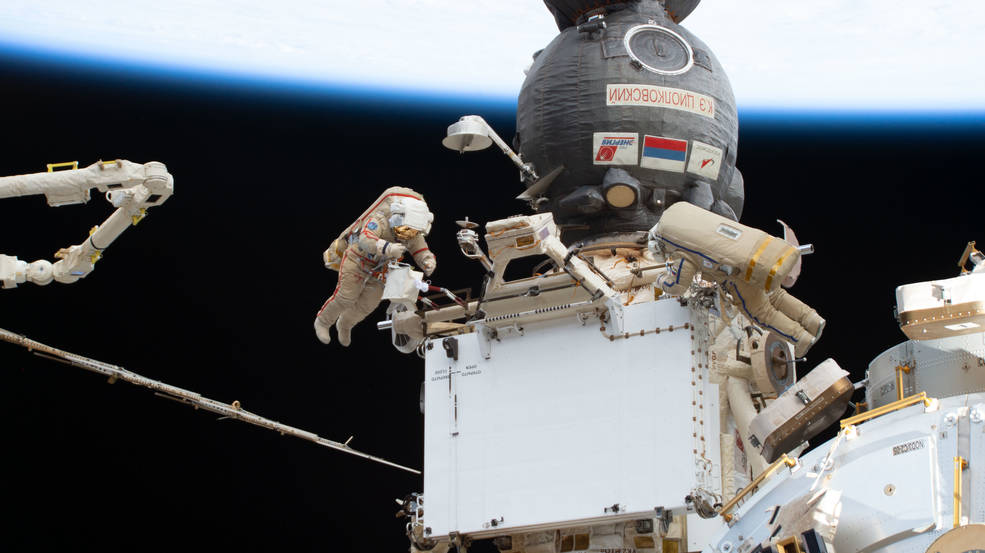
888 408
783 460
959 465
900 369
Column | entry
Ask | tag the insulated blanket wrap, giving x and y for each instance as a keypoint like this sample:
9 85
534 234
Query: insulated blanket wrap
668 129
728 248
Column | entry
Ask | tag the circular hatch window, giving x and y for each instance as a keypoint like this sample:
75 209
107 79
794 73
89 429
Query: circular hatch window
659 49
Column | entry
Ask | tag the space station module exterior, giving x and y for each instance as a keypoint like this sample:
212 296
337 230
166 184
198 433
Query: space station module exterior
747 263
395 224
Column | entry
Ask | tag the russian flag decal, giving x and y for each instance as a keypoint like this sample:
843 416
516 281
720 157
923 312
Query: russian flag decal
663 154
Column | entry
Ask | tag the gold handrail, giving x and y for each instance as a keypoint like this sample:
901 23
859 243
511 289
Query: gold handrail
783 460
888 408
53 166
959 465
900 369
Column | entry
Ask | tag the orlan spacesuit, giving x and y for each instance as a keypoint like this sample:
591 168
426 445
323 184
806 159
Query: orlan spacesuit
747 263
395 224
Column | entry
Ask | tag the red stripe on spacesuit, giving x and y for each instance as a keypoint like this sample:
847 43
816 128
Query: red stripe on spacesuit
366 229
419 251
339 283
363 258
336 291
377 204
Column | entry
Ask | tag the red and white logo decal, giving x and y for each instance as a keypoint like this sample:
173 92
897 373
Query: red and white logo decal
615 148
705 160
606 153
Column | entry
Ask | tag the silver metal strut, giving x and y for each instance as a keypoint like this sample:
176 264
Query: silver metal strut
231 410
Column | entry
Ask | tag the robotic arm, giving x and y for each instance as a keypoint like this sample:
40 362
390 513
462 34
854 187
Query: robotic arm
130 187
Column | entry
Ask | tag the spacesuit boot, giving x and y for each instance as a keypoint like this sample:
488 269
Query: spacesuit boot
366 303
322 331
798 311
761 311
344 332
804 343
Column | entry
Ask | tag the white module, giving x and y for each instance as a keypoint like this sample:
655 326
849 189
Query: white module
942 308
554 421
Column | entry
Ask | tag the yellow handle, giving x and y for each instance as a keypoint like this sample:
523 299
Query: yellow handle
887 408
72 164
959 465
783 460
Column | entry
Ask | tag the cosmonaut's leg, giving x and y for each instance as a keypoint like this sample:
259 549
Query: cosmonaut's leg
347 291
753 302
367 302
798 311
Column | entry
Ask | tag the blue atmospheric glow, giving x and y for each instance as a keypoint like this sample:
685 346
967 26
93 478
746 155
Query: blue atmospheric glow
127 72
880 118
953 122
131 73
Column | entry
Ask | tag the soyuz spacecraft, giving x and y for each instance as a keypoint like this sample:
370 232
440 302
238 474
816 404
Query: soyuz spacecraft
638 392
632 113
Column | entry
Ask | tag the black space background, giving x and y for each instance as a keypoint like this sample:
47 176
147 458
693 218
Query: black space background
216 291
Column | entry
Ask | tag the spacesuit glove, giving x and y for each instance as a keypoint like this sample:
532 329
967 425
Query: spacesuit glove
392 250
428 266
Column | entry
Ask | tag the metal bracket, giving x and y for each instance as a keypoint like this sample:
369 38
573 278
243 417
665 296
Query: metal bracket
486 335
614 508
802 396
616 324
665 517
584 316
973 253
493 523
451 347
459 542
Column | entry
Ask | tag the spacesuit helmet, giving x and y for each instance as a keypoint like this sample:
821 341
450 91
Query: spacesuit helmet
412 213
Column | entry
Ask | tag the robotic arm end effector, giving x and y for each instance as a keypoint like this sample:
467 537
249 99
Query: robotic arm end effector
14 271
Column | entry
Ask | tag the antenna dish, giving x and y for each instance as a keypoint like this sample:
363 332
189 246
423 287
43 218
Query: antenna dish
467 135
466 224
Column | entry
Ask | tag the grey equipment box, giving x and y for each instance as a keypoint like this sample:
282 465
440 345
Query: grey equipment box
802 411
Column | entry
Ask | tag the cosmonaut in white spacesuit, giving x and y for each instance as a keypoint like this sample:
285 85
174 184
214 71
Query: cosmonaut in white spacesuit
748 264
395 224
